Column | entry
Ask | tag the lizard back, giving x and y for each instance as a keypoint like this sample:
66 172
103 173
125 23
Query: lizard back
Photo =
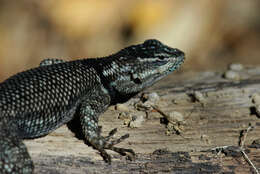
48 94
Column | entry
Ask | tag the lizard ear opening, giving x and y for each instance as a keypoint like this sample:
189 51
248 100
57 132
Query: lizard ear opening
135 79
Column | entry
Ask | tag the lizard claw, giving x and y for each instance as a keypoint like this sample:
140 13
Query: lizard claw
122 151
103 143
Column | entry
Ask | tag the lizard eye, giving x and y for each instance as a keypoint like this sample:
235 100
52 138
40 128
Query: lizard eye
161 57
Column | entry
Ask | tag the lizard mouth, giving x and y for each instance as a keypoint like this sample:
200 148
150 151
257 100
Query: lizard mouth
177 63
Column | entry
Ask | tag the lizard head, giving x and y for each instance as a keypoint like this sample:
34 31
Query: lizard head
140 66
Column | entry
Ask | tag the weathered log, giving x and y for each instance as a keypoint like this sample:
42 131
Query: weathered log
215 111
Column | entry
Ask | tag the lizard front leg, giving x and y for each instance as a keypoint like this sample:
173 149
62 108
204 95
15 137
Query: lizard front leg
92 106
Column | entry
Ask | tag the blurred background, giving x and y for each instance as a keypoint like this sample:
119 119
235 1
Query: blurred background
212 33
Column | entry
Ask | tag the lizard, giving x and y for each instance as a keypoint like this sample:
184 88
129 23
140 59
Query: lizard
37 101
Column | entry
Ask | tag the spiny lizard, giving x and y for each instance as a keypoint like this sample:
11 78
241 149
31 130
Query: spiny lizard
37 101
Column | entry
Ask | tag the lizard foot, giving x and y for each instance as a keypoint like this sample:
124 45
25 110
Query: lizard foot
103 143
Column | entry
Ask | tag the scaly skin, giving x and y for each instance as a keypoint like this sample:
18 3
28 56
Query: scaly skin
37 101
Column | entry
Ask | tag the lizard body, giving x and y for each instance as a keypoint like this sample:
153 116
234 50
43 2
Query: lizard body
37 101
